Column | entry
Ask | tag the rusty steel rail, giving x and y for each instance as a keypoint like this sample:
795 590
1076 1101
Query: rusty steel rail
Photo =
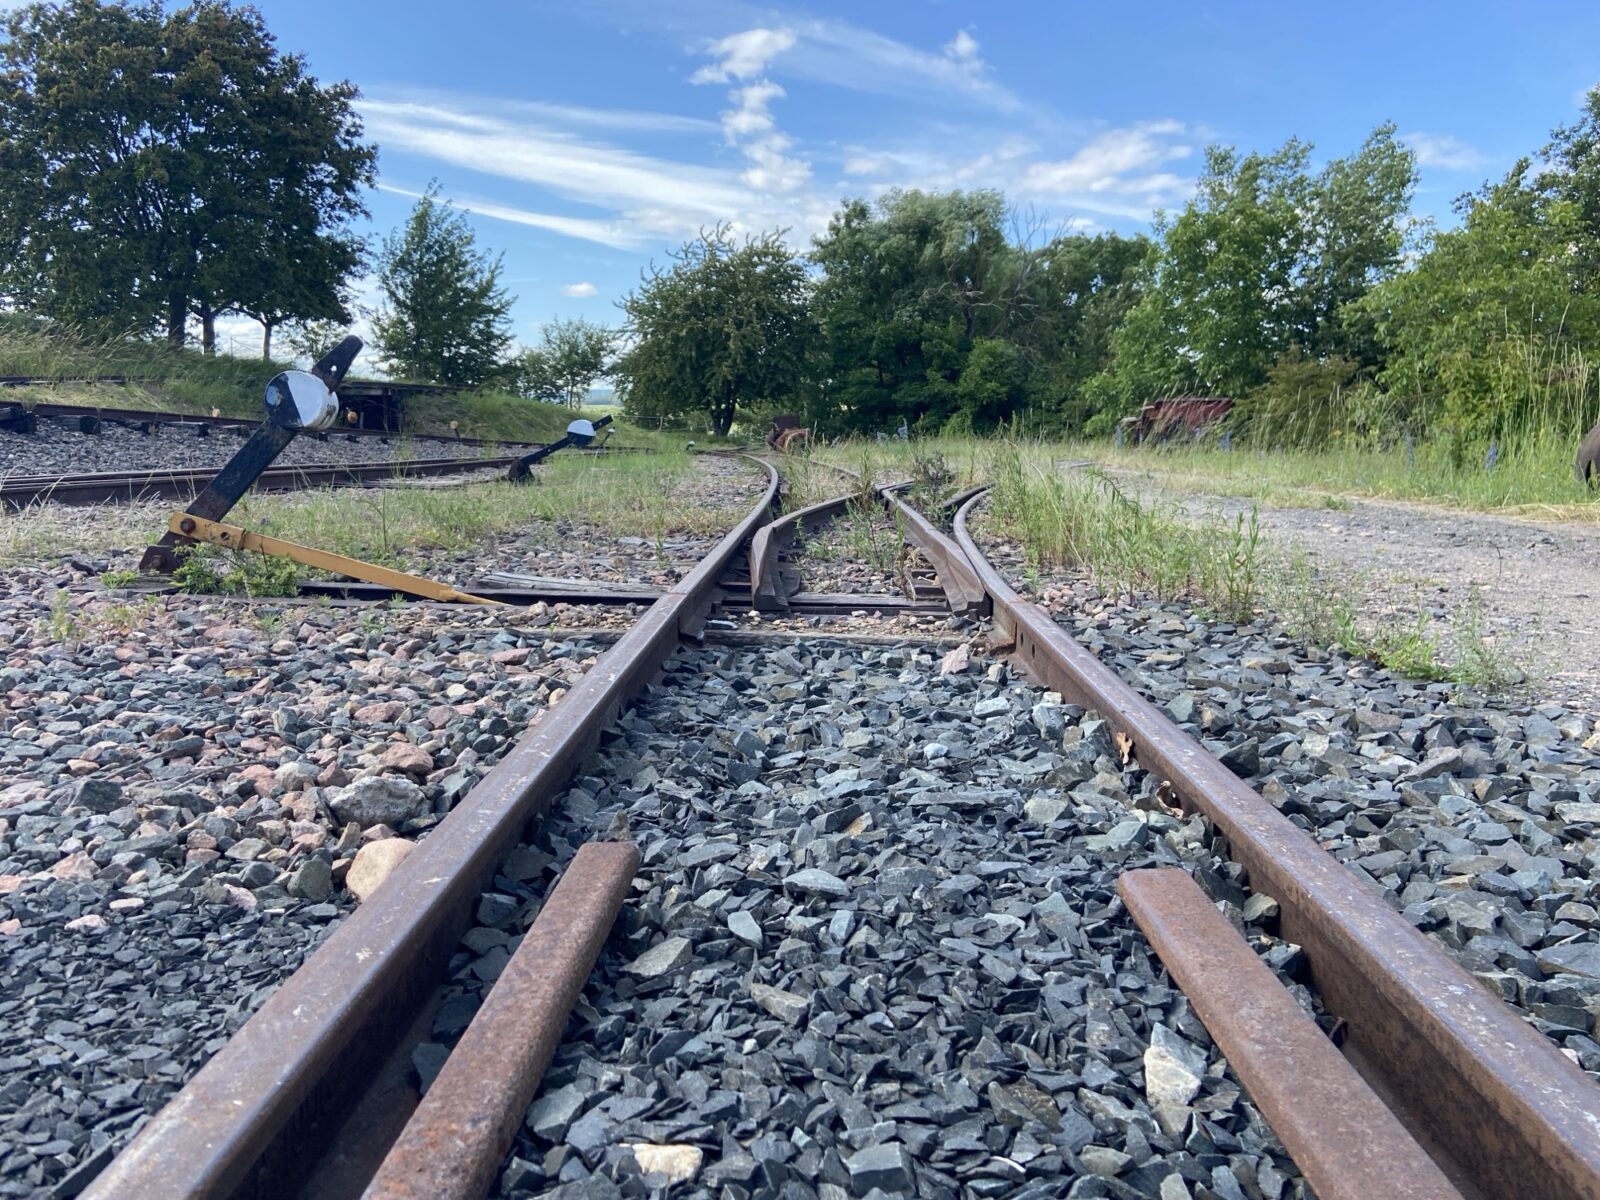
255 1120
1340 1134
767 588
1501 1109
459 1135
960 582
111 487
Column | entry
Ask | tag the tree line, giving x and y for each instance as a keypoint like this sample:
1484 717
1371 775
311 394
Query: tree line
1314 298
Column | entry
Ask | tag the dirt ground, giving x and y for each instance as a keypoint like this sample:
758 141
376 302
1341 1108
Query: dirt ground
1537 580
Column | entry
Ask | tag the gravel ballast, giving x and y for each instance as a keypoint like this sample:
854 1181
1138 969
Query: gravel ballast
59 448
1477 818
181 805
873 943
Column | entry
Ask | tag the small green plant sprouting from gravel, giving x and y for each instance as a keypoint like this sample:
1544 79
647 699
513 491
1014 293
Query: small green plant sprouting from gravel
931 477
64 625
117 579
1479 663
205 571
1084 519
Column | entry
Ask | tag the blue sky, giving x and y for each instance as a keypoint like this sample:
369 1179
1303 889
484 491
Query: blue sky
587 139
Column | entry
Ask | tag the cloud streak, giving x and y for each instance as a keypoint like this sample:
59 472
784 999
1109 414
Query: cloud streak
1444 151
749 124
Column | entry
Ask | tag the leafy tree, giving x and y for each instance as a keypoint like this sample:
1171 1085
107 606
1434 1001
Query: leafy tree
313 338
531 375
444 316
1356 236
570 356
1081 296
155 164
1265 258
1489 305
1572 174
909 286
724 329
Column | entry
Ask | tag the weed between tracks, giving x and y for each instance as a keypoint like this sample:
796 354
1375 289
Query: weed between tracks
1084 520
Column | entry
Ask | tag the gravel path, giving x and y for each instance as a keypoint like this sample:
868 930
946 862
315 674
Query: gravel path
58 448
1479 821
1536 579
860 552
873 943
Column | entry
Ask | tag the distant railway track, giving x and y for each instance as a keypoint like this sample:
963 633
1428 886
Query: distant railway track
18 417
117 487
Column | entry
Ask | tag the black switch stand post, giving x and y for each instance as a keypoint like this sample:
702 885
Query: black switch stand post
579 433
296 401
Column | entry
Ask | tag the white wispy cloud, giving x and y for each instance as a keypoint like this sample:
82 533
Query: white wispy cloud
749 125
846 55
1444 151
963 47
652 195
743 55
615 234
642 201
1120 172
579 291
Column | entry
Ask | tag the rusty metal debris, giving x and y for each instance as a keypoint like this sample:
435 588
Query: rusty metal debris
788 432
1470 1078
1347 1144
457 1138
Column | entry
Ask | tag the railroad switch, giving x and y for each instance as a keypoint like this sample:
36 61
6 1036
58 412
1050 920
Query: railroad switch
295 401
580 433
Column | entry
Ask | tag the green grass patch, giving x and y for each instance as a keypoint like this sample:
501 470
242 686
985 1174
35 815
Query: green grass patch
1083 520
1526 477
624 495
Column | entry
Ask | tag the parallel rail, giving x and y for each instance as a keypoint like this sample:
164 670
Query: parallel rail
109 487
1495 1103
140 416
252 1120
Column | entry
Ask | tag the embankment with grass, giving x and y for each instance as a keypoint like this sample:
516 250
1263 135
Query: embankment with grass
74 366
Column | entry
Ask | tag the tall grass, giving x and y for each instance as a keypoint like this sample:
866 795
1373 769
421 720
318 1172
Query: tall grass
1500 435
1082 519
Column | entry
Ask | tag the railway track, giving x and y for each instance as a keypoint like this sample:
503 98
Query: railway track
91 418
1442 1089
116 487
